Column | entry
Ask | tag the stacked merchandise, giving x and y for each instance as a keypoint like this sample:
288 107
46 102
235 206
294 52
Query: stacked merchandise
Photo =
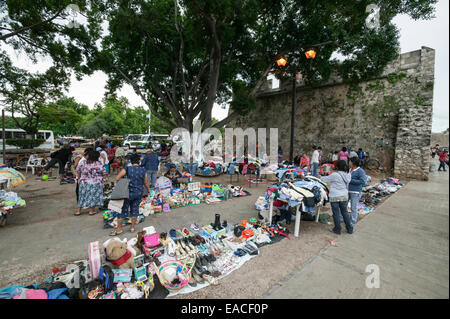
164 198
373 194
210 169
307 193
289 173
8 202
154 265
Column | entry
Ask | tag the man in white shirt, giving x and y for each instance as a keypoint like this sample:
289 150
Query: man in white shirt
315 161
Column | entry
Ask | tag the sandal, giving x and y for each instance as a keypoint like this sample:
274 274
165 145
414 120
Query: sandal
115 233
92 214
132 230
77 214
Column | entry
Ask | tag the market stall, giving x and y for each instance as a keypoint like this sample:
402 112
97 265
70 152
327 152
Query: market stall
155 264
9 200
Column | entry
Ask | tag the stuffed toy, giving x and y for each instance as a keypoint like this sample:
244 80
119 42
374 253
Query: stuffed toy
117 254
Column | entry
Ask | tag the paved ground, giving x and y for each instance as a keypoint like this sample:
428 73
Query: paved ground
407 237
46 233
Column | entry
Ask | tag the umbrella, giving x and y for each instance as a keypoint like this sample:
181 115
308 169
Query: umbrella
14 177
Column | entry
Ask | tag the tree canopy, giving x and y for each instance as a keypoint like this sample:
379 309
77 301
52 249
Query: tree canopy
185 55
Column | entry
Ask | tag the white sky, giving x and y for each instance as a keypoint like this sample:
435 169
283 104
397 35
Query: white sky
414 34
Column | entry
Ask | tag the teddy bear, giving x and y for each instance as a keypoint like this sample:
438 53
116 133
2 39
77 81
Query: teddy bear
118 254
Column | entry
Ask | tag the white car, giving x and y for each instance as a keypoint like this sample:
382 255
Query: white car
140 141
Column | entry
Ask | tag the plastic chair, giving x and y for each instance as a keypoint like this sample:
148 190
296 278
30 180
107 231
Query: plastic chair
33 162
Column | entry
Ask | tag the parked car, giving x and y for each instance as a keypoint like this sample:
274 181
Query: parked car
140 141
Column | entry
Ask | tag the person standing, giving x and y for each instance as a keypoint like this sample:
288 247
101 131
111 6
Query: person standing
315 161
338 183
352 154
358 179
151 165
79 160
163 146
138 180
103 157
335 158
434 150
90 175
280 154
60 157
343 155
443 158
120 154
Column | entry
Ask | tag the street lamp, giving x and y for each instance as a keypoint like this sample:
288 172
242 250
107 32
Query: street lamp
310 54
281 62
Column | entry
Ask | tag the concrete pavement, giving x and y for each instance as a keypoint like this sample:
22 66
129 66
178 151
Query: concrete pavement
407 237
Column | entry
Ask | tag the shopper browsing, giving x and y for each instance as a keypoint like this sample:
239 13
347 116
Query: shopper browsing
338 184
358 179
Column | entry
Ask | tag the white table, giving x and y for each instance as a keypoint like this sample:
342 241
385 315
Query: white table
297 214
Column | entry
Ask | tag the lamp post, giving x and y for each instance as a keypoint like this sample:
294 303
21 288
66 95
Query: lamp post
281 62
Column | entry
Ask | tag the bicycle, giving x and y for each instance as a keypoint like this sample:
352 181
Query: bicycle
370 163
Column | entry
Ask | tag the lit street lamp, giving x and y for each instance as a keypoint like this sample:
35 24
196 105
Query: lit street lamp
281 62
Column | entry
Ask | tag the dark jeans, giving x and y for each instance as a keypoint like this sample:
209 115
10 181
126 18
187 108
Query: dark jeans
338 209
442 164
54 161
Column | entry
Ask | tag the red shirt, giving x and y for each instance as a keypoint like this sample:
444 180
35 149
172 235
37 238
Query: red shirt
443 156
304 162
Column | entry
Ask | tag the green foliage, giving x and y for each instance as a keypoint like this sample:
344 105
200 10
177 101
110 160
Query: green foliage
183 56
94 128
393 78
242 101
25 143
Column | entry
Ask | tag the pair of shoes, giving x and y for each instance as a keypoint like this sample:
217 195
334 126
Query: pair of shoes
195 227
203 260
173 234
197 278
251 250
240 252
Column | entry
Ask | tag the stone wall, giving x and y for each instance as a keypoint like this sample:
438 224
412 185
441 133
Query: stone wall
389 117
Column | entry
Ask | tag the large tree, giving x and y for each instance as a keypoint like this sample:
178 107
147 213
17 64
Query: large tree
43 29
183 56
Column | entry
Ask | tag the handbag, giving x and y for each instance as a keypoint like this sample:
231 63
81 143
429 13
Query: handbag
121 190
151 240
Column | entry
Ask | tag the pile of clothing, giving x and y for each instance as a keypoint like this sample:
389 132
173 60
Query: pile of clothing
373 194
9 201
289 173
307 193
210 169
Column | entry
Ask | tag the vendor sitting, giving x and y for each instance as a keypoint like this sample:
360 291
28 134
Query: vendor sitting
173 174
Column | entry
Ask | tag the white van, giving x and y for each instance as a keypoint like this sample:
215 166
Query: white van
48 136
